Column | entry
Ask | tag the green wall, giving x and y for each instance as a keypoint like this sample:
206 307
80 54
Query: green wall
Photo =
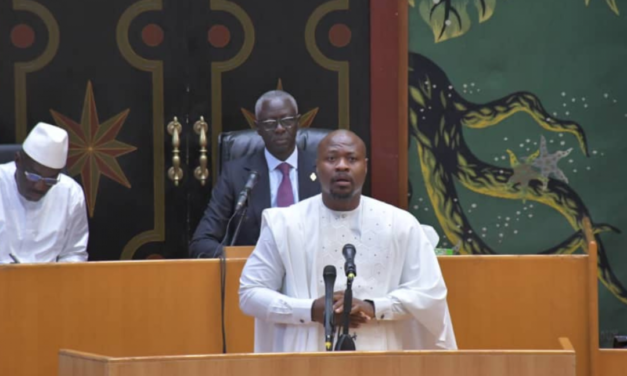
573 57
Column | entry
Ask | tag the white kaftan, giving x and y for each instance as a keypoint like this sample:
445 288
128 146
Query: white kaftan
396 268
49 230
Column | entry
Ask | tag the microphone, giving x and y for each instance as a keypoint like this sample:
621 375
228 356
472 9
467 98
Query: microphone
15 259
345 342
349 266
243 196
329 275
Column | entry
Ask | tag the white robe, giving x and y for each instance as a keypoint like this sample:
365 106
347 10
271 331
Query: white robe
51 229
396 268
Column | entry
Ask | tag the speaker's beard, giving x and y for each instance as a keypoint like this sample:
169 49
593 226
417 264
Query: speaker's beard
343 196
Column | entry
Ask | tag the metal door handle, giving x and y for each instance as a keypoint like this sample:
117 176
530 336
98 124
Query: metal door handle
175 173
201 172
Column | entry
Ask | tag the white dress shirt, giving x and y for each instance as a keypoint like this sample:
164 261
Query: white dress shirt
51 229
276 176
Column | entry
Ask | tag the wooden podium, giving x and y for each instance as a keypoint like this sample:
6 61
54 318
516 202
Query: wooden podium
140 310
441 363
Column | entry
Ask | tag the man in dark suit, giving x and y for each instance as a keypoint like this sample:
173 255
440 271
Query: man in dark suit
285 177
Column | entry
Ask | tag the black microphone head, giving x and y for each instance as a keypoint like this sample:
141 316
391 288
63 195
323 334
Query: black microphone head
349 251
329 272
252 180
243 196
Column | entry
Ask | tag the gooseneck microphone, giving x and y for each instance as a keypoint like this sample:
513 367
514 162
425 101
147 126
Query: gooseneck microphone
240 208
329 275
349 266
345 342
243 196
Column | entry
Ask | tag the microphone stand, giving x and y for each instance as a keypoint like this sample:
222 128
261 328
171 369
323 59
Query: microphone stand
223 268
239 222
346 342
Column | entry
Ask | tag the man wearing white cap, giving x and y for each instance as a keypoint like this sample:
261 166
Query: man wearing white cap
42 211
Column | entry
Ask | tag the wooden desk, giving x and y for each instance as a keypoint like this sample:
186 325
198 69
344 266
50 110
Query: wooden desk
237 252
613 362
156 308
558 362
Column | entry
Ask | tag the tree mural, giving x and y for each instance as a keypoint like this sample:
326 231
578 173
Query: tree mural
450 18
437 114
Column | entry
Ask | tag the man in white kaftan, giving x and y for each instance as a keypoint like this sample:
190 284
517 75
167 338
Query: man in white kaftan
397 270
42 211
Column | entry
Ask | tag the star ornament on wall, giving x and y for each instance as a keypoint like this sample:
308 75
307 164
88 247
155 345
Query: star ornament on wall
93 148
547 163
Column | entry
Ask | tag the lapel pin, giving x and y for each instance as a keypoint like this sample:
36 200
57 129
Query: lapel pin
313 176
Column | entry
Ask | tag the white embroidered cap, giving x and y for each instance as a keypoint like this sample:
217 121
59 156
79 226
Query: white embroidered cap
47 145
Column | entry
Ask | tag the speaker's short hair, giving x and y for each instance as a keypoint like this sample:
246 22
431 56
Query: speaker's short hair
273 94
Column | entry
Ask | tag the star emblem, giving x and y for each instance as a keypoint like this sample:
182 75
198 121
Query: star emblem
305 120
547 163
523 172
93 149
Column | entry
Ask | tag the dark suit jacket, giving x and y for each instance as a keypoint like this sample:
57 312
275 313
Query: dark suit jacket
212 227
